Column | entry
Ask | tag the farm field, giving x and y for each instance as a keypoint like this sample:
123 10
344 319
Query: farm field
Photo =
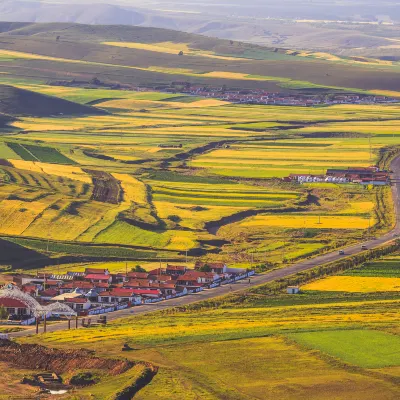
263 337
171 195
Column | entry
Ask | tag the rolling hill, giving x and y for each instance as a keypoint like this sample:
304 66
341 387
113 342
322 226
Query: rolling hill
20 102
118 54
319 25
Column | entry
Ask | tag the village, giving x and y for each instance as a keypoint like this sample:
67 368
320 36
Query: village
308 98
356 175
97 291
262 97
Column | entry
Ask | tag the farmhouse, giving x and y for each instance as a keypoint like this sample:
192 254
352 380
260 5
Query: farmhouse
364 176
98 278
119 296
217 268
15 306
78 304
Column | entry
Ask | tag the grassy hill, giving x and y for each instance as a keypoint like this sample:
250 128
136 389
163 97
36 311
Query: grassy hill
20 102
136 55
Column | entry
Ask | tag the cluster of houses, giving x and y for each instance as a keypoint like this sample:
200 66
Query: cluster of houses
95 289
259 96
363 176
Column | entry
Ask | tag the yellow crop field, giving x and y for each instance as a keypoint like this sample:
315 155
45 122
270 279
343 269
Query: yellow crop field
296 221
359 207
66 171
355 284
16 215
168 48
63 225
134 190
202 103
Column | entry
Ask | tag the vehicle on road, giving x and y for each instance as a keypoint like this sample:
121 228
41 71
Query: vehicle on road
364 247
341 252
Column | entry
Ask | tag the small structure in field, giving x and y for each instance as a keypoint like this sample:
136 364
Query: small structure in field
293 290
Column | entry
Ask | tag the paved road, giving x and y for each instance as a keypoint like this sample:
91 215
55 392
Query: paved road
257 279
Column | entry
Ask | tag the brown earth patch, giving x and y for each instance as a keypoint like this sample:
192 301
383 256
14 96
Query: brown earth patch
36 357
106 188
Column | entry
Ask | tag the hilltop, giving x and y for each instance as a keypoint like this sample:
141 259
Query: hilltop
334 27
21 102
149 56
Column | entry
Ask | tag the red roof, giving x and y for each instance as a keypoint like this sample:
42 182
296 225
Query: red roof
102 285
176 268
49 292
98 277
79 284
100 271
145 291
117 292
189 275
212 265
51 282
162 278
78 300
12 303
138 275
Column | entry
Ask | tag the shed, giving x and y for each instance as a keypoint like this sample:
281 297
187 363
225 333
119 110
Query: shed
293 290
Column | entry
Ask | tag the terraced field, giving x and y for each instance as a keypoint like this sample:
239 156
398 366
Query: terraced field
166 171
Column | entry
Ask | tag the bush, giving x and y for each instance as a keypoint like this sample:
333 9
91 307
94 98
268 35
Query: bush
84 379
175 218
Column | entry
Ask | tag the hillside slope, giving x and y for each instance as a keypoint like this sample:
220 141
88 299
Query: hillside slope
20 102
79 51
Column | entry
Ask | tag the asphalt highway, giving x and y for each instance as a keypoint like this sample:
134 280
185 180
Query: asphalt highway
255 280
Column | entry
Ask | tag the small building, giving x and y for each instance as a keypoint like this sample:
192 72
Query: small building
217 268
119 296
99 278
78 304
293 290
15 306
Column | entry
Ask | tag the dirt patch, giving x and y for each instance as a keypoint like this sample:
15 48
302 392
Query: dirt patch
35 357
106 188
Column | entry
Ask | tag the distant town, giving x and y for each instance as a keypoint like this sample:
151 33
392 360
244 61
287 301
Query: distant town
357 175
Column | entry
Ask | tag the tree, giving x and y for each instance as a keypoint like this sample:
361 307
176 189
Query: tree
3 312
175 218
138 268
205 268
180 53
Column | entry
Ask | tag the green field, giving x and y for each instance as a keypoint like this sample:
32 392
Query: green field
367 349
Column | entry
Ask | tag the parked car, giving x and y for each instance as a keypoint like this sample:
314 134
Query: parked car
341 252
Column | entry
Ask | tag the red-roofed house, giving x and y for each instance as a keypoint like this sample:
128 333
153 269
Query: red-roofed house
160 278
71 286
175 270
148 293
191 278
119 296
97 271
217 268
14 306
78 304
48 294
98 278
137 275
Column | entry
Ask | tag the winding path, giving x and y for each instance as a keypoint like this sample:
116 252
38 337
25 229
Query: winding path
257 279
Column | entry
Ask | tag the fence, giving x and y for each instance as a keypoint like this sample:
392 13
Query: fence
101 311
